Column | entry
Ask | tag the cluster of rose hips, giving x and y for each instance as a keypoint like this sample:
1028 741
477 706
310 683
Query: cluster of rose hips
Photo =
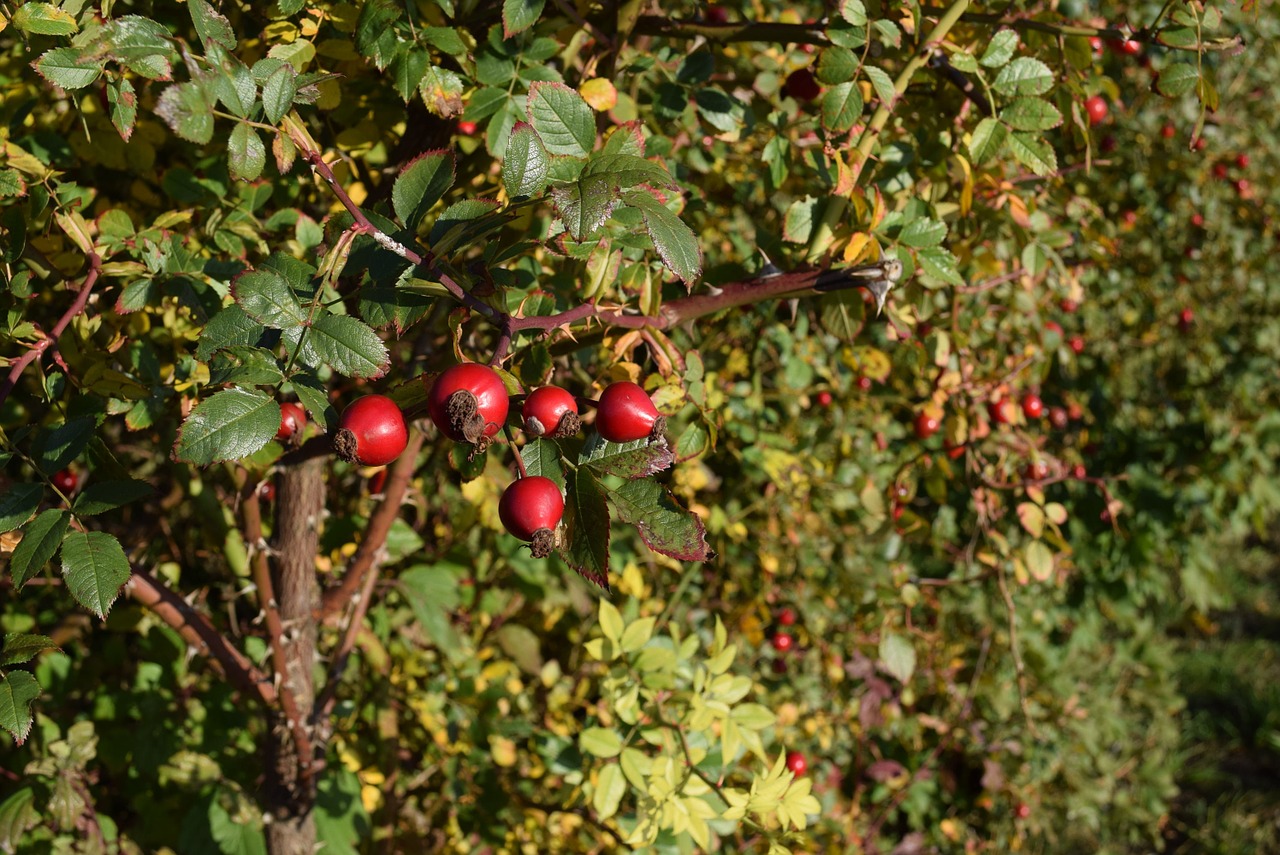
469 403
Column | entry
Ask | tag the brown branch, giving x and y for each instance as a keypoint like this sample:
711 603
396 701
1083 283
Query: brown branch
355 621
51 340
200 634
375 535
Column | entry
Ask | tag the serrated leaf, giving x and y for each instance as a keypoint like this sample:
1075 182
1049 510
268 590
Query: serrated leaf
17 505
837 65
58 447
247 154
244 366
1031 114
43 19
124 107
17 814
1039 560
188 111
854 12
441 91
1034 153
18 690
1176 79
986 140
842 106
525 164
1185 38
585 205
229 327
278 91
95 569
265 297
843 313
11 183
611 786
940 264
211 27
585 544
40 541
676 243
798 222
600 742
882 83
104 496
1000 49
420 185
1024 76
315 397
349 345
639 459
897 655
20 647
229 425
407 73
664 526
142 44
922 233
520 15
562 118
68 68
627 170
963 61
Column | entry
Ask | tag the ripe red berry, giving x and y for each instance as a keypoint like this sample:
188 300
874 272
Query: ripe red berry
1128 47
1197 220
1078 471
1095 42
1096 107
1069 306
797 763
824 398
802 85
787 616
1058 418
466 129
1076 343
716 15
267 491
293 418
468 402
926 425
1220 170
1168 131
1037 470
550 411
953 450
1032 406
1023 810
1242 161
1243 187
1130 218
1002 411
625 413
530 509
864 383
371 431
66 481
782 642
1185 319
1199 144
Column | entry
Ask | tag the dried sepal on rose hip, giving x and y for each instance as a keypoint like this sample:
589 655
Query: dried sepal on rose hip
468 402
530 509
371 431
551 412
625 413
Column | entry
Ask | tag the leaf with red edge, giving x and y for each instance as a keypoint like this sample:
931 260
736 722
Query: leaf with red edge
665 526
638 459
584 543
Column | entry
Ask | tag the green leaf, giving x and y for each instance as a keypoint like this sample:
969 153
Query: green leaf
376 31
17 692
963 61
611 786
897 655
18 813
104 496
446 39
315 397
40 541
798 222
124 107
525 164
841 107
1031 114
95 568
1034 153
432 593
664 526
837 65
68 68
1000 50
17 505
22 647
1024 76
676 243
986 140
520 15
600 742
265 297
397 306
586 204
420 185
923 232
11 183
58 447
1039 559
247 154
854 12
1184 38
882 83
241 365
278 91
407 73
844 313
463 221
1176 79
349 345
585 542
940 264
441 90
563 120
627 170
229 425
639 459
188 111
211 27
229 327
44 19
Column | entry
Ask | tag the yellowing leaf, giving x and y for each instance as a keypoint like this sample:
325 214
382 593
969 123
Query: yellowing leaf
599 93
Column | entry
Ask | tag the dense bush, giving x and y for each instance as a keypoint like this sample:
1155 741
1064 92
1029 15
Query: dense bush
919 577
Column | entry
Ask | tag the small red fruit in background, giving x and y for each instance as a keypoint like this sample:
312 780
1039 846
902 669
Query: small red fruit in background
1069 306
1197 220
1185 319
1095 42
1199 143
468 402
802 85
1074 411
716 15
1242 161
625 413
864 383
467 128
953 450
1058 418
1220 170
1243 187
293 418
926 425
824 398
371 431
377 482
1002 411
1130 218
66 481
1053 327
797 763
1032 406
1095 106
1037 471
267 491
1076 343
787 616
550 411
1128 47
530 509
1168 131
782 642
1078 471
1023 810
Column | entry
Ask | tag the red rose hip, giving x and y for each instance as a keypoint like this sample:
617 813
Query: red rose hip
797 763
530 509
468 402
550 411
66 481
371 431
802 85
926 424
1096 107
625 413
1032 406
293 418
